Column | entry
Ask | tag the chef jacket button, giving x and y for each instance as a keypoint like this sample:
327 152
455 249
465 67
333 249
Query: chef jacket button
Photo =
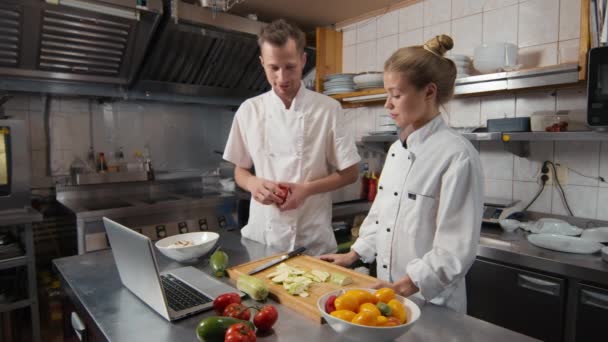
375 254
380 187
376 222
392 155
396 194
388 230
409 157
384 266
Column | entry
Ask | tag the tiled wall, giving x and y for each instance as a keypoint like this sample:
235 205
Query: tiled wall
546 32
179 136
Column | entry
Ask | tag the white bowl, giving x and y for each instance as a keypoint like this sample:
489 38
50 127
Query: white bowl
203 243
369 77
357 332
509 225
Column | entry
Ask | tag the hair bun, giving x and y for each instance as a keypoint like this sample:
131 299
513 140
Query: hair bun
440 44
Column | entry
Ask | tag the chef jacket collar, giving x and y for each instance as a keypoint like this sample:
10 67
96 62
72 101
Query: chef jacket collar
420 135
297 101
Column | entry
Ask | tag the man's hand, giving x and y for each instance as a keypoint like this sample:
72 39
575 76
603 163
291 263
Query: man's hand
404 287
264 191
344 260
296 194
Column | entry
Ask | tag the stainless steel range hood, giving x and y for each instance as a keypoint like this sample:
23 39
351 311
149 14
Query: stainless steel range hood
199 53
101 41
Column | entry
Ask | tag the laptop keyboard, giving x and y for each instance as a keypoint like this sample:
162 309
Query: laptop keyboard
181 296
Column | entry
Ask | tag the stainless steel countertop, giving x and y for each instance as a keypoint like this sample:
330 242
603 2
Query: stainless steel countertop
92 280
514 248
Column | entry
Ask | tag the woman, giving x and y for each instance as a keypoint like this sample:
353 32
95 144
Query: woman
423 227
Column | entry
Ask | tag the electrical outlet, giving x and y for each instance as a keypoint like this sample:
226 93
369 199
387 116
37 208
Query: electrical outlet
562 174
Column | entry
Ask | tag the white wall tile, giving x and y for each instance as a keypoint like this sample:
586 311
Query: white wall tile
36 102
497 107
366 56
528 169
604 163
538 22
572 99
569 19
465 112
581 199
411 17
37 134
349 59
350 121
366 30
582 156
74 105
414 37
568 51
500 25
388 24
386 47
528 103
17 102
498 188
602 204
466 33
463 8
435 30
38 163
494 4
16 114
437 11
538 56
497 163
349 35
525 192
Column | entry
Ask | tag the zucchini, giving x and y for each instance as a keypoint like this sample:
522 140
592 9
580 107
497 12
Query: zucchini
341 279
254 287
214 328
219 262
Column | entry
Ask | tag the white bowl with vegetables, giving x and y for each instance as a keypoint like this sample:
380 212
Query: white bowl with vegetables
377 332
187 247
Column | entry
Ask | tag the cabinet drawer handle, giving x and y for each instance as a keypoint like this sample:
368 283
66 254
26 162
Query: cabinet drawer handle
594 299
79 327
538 285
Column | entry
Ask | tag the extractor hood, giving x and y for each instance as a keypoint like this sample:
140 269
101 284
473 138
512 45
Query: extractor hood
101 42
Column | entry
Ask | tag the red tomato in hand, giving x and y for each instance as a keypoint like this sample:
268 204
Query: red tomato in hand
330 305
236 310
282 193
222 301
239 332
265 318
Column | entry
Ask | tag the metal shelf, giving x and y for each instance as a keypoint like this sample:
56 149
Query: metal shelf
13 262
556 136
15 305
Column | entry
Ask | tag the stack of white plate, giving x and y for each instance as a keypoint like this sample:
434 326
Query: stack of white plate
370 79
463 65
338 84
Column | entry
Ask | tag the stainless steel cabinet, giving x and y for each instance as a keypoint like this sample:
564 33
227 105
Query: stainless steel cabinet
591 313
528 302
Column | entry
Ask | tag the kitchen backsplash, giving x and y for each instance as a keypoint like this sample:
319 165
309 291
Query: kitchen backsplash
178 136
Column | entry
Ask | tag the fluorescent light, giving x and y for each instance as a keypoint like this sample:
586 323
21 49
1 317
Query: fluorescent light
84 5
365 98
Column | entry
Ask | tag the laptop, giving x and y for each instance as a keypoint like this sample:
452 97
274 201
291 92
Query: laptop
175 294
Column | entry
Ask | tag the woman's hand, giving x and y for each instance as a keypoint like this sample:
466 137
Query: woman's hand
296 194
404 287
344 260
264 191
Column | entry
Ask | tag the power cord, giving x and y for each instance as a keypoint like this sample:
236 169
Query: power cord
599 178
562 192
544 178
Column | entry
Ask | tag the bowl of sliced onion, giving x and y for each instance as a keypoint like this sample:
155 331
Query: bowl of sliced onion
187 247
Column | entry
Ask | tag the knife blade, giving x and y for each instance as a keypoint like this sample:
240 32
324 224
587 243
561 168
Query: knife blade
277 260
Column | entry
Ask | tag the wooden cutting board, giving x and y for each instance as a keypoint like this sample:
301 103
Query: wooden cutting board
306 306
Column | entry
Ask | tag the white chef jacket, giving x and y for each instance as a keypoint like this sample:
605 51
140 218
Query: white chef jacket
426 217
303 143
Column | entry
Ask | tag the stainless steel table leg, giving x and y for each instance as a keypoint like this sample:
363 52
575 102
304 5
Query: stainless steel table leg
31 277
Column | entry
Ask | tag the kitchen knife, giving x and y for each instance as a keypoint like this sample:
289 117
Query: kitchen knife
277 260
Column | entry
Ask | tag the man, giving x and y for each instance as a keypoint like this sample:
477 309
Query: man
293 137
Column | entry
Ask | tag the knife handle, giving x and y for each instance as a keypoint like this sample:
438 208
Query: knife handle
296 252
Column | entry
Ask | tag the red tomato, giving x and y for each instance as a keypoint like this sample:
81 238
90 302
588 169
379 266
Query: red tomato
265 318
282 193
236 310
222 301
330 305
239 332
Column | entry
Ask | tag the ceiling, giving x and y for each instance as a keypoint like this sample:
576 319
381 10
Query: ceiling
309 14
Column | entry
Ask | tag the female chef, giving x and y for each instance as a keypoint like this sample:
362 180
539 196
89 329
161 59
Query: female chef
423 227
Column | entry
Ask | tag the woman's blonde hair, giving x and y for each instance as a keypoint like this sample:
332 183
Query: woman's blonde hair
426 64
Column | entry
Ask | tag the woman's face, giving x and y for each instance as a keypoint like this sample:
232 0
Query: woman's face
406 104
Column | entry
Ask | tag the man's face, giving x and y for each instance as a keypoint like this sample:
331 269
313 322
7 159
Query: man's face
283 66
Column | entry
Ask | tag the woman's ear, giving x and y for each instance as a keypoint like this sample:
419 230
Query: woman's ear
430 92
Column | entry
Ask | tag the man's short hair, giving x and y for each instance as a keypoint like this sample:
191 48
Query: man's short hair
279 31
